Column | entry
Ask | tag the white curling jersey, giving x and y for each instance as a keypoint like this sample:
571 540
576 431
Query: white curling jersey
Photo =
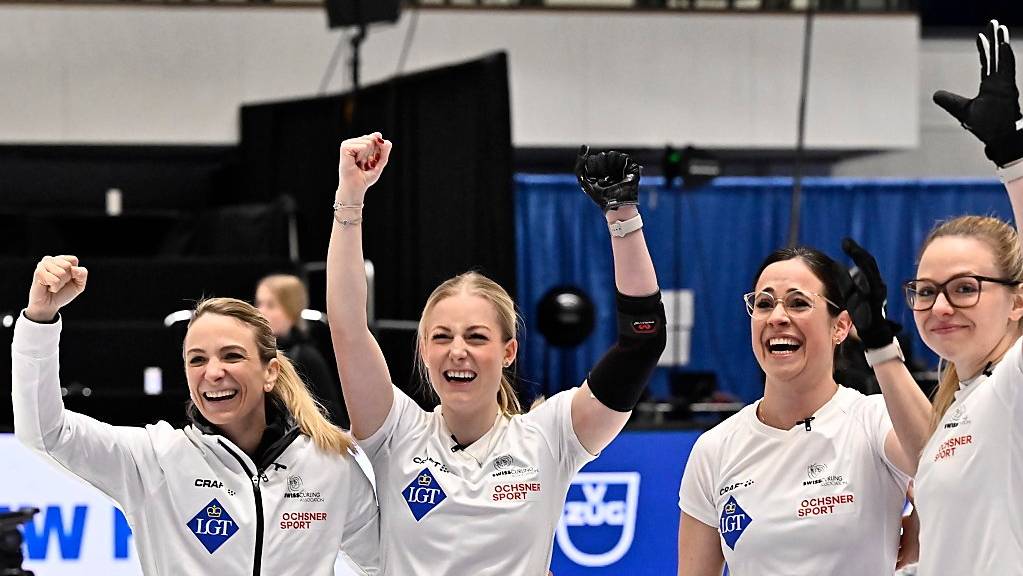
800 502
488 509
969 485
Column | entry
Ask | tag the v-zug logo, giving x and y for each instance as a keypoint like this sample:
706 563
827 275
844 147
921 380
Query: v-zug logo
213 526
599 519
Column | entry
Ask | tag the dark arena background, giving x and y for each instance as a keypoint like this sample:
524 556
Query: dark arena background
187 149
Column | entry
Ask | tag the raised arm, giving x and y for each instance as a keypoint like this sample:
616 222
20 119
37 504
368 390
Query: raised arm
602 406
108 457
908 407
993 116
364 376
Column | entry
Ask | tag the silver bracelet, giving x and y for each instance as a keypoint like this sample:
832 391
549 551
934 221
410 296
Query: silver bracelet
346 222
339 205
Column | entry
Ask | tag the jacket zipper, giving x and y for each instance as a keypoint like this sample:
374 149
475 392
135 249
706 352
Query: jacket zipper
257 558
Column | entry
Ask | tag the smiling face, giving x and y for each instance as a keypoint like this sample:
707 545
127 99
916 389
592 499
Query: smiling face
227 379
966 336
465 351
793 345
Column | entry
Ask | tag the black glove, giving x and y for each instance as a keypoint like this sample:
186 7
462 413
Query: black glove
993 115
610 179
867 298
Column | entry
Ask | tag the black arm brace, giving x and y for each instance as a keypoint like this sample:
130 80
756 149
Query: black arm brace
619 378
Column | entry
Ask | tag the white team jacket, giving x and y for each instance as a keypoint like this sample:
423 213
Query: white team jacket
196 503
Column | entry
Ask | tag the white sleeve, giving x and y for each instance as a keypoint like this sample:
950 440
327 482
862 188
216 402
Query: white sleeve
553 418
405 415
878 424
120 461
1007 383
361 540
696 492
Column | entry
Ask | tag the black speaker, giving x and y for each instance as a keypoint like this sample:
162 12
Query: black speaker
341 13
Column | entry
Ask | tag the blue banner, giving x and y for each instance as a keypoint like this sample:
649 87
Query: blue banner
621 513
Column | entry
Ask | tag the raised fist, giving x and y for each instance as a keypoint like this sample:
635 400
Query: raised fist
610 179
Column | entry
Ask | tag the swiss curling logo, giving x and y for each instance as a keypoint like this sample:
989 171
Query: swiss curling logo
423 494
213 526
733 522
598 528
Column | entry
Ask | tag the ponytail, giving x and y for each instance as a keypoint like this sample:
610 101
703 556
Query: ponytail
308 413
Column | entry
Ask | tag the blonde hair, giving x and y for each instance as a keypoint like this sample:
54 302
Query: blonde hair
290 293
508 321
1004 243
289 387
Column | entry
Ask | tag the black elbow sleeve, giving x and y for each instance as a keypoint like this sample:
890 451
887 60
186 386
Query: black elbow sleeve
619 378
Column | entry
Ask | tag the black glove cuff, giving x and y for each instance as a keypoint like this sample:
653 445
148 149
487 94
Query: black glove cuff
879 335
1005 149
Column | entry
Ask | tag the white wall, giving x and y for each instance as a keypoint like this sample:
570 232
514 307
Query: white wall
178 74
946 149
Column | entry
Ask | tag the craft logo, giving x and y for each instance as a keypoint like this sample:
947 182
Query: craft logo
742 484
733 522
212 526
599 519
423 494
295 491
430 461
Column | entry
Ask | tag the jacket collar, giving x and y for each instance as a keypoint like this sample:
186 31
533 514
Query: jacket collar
281 430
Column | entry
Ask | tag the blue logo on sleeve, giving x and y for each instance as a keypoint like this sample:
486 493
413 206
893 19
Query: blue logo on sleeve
734 521
423 494
212 526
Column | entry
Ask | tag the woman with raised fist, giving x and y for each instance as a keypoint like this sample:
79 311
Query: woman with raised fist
476 486
259 483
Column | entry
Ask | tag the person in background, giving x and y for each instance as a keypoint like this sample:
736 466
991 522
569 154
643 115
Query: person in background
281 298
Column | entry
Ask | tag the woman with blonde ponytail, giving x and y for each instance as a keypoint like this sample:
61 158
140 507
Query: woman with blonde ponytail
475 486
259 483
967 304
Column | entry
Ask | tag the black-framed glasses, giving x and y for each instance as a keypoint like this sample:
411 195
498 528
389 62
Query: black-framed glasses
962 291
796 303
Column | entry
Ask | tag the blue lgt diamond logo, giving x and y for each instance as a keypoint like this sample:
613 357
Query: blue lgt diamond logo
734 521
423 494
212 526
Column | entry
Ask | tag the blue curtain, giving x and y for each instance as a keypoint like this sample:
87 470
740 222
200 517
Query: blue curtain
711 241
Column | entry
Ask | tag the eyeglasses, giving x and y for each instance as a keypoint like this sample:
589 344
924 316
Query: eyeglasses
796 303
960 291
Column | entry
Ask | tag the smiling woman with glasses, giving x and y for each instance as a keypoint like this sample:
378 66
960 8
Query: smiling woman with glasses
811 478
968 307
